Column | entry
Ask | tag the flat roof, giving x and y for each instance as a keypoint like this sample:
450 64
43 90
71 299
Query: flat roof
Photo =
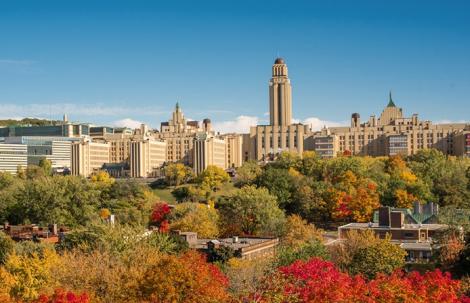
357 225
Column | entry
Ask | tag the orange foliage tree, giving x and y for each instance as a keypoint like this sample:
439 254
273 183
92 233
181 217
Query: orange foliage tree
356 198
185 278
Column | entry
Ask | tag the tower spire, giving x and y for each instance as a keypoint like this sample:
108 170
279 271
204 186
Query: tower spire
177 107
390 100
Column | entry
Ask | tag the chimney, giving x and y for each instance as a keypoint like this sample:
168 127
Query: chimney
235 239
384 216
397 219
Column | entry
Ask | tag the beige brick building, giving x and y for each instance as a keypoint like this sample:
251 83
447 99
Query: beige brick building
233 149
146 158
264 142
179 134
390 134
209 150
88 157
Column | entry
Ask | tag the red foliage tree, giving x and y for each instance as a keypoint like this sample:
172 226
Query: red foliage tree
159 216
317 280
62 296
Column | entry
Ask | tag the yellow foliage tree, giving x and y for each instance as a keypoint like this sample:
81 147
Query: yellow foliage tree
196 217
299 232
24 277
404 198
212 178
102 178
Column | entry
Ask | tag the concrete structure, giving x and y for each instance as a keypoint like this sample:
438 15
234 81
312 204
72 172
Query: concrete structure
12 157
65 129
146 158
233 149
56 149
265 142
209 150
179 134
89 157
462 143
415 239
243 247
393 134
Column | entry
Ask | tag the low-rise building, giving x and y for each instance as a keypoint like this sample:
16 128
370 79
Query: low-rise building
243 247
415 239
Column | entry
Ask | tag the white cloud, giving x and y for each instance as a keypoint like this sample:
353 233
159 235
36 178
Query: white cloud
127 122
58 109
240 125
317 124
445 121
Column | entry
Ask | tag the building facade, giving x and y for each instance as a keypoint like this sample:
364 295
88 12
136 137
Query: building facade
209 150
146 158
89 157
265 142
233 150
392 134
13 157
179 134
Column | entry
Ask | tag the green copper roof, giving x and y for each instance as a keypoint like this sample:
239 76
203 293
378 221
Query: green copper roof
177 105
390 101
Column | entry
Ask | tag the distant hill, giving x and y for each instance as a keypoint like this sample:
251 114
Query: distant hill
28 121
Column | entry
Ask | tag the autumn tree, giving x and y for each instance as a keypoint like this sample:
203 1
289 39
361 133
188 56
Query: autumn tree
46 166
251 211
195 217
298 232
177 173
212 178
62 296
159 216
185 278
364 253
247 173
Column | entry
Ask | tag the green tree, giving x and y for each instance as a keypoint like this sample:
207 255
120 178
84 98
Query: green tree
288 255
251 211
46 166
247 173
280 184
364 253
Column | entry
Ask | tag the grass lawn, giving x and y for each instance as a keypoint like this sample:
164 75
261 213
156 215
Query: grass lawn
165 193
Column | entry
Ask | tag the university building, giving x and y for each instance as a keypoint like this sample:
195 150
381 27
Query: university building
390 134
265 142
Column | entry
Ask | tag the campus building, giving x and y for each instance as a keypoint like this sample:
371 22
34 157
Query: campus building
146 158
265 142
89 157
415 238
13 157
179 134
391 134
209 150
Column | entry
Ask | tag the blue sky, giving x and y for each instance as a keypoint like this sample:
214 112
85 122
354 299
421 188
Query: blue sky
115 62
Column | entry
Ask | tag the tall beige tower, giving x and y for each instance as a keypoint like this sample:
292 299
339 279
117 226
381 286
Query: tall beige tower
280 95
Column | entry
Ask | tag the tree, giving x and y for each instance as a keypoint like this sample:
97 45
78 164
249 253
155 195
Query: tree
279 183
212 178
317 280
290 254
7 246
247 173
24 276
159 216
364 253
177 173
298 232
102 178
62 296
195 217
46 166
185 278
251 211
